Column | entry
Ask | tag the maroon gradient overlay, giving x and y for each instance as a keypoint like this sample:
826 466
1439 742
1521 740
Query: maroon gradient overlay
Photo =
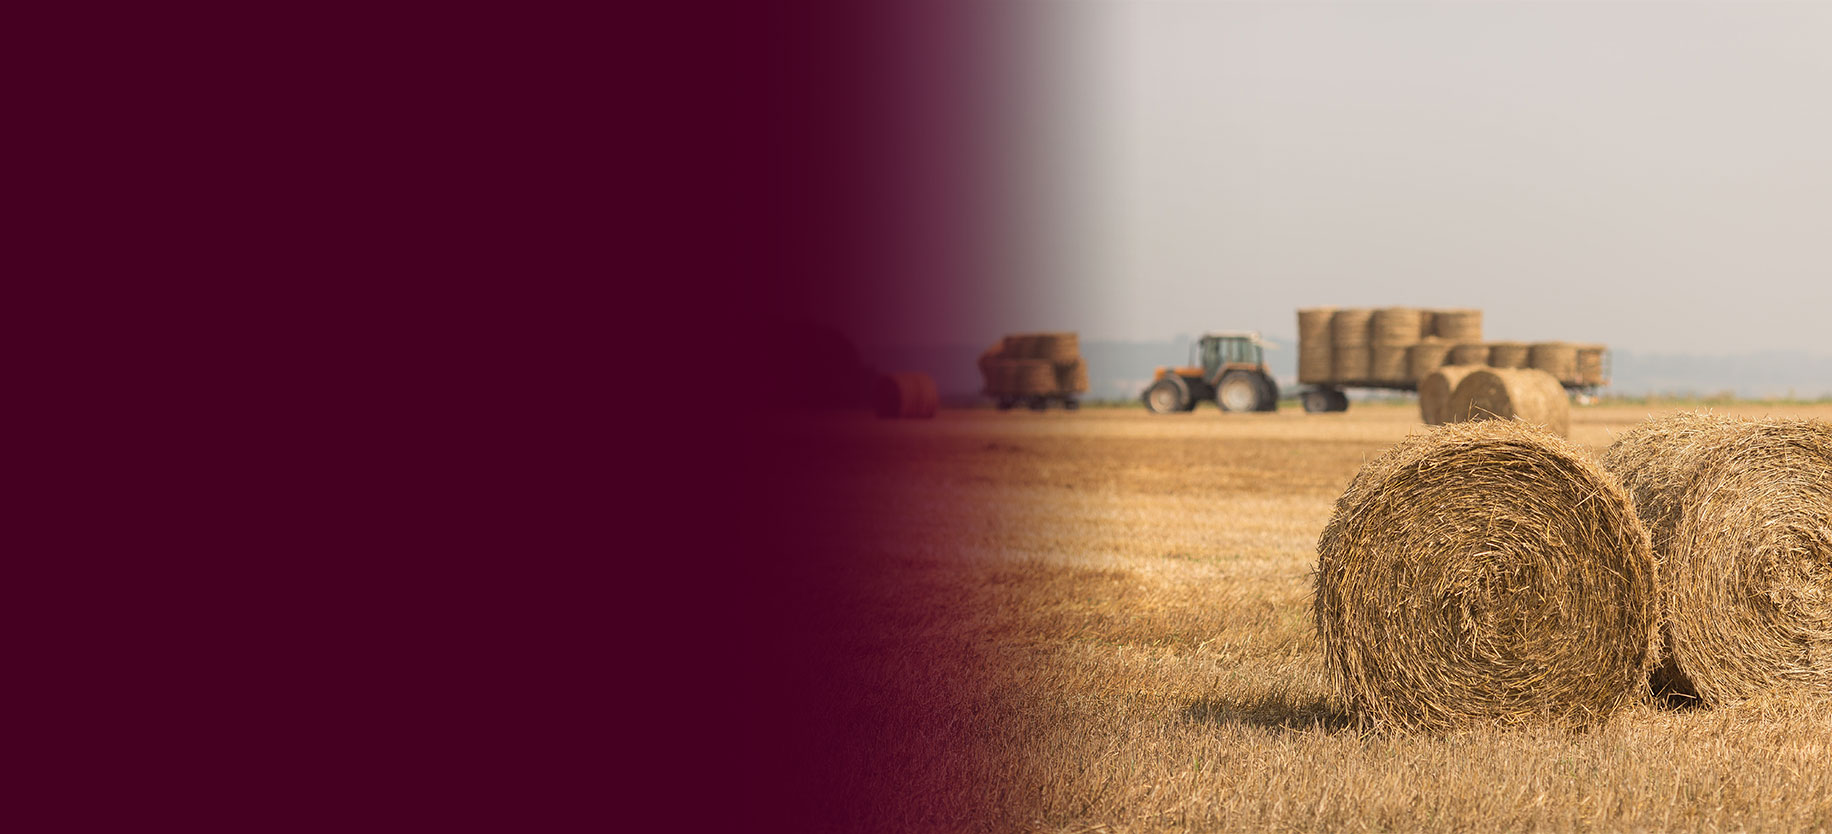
894 132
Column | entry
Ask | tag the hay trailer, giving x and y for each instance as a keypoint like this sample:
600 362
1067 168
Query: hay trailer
1228 369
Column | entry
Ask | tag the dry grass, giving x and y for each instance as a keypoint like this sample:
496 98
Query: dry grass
1100 621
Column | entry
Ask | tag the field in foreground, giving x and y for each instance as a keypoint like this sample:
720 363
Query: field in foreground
1101 621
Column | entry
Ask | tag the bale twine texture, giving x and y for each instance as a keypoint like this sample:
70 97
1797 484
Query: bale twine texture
1508 355
1457 325
1485 573
1397 326
1315 348
1469 353
905 396
1425 357
1353 363
1388 364
1560 359
1435 389
1740 514
1351 328
1524 394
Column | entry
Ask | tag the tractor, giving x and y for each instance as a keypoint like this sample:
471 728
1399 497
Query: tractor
1226 368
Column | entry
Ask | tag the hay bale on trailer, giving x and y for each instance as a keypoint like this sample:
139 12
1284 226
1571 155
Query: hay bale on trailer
1740 513
1397 326
1425 357
1560 359
905 396
1353 363
1525 394
1059 348
1469 353
1485 573
1316 351
1590 364
1351 328
1457 325
1387 364
1508 355
1435 389
1072 376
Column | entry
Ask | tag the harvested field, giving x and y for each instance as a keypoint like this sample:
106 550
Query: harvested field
1101 621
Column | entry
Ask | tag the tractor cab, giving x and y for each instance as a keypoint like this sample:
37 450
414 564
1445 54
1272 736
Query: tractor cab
1227 368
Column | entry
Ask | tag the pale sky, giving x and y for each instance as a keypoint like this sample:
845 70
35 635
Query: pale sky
1655 176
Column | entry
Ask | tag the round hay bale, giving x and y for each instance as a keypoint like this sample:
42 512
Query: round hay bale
1469 353
1590 364
1524 394
1560 359
1740 515
1060 348
1508 355
1397 326
1351 328
1425 357
1072 377
1031 377
1435 389
905 396
1352 363
1315 350
1388 364
1457 325
1485 573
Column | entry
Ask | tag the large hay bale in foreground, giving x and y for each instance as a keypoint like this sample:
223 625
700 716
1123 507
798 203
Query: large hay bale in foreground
906 396
1740 513
1315 349
1435 390
1485 573
1524 394
1508 355
1353 363
1457 325
1350 328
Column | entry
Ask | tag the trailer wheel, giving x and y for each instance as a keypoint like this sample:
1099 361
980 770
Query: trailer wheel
1338 401
1039 403
1071 404
1317 402
1005 403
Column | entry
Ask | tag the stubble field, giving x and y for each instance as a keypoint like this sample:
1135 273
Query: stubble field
1100 621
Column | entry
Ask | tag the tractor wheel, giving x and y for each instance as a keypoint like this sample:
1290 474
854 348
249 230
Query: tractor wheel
1317 402
1269 394
1168 395
1240 391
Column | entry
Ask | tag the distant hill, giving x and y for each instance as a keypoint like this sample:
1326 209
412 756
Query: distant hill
1121 370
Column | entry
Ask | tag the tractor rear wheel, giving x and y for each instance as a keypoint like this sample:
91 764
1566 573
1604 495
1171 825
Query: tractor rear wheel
1241 391
1168 395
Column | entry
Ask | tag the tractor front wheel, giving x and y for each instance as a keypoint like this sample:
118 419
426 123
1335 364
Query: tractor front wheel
1168 395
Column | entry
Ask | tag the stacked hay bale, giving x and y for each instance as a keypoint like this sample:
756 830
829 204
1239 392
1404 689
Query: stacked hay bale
1457 325
1485 573
1028 365
1740 512
1469 353
1316 350
1590 364
1435 390
1394 331
1524 394
1560 359
1351 350
905 396
1508 355
1426 356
